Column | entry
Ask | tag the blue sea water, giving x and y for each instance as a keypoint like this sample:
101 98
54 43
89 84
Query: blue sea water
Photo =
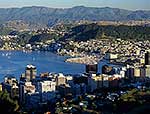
14 63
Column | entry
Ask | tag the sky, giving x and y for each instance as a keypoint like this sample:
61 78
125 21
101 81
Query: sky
124 4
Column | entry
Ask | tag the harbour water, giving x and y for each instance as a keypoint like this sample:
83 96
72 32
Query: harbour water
14 63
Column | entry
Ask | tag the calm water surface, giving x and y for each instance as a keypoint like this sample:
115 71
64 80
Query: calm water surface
14 63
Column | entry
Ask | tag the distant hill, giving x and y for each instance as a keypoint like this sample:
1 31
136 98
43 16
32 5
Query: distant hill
48 16
79 33
94 31
4 30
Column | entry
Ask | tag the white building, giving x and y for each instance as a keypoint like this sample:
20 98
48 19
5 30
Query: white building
60 79
147 71
1 87
47 90
110 56
30 72
69 80
46 86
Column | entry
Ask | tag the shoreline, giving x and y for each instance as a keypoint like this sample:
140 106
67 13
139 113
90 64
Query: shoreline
49 65
69 59
83 60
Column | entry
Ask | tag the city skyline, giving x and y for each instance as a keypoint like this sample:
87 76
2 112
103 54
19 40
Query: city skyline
123 4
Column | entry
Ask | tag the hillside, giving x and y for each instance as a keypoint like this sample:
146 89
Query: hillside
93 31
79 33
43 16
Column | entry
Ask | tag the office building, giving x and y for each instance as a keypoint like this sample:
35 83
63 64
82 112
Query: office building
64 89
11 85
1 87
60 79
94 82
137 72
147 71
43 75
25 88
32 100
111 56
147 58
142 72
46 86
113 82
142 61
92 68
69 80
109 70
130 72
77 89
47 90
30 72
99 81
105 81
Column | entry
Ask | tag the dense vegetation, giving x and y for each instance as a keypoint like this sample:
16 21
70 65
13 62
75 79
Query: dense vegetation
94 31
134 102
4 30
7 105
43 37
81 33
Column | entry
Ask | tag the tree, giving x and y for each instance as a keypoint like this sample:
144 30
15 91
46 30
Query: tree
7 105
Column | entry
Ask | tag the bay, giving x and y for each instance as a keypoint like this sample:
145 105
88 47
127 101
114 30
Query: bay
14 63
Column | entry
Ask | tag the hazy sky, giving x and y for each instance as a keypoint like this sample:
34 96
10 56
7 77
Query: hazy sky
125 4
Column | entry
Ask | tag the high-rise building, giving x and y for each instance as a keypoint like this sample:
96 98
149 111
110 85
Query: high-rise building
45 74
1 87
147 58
24 89
130 72
77 89
113 82
30 72
137 72
96 82
109 70
11 85
122 73
64 89
142 60
47 90
142 72
46 86
60 80
92 68
111 56
147 70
